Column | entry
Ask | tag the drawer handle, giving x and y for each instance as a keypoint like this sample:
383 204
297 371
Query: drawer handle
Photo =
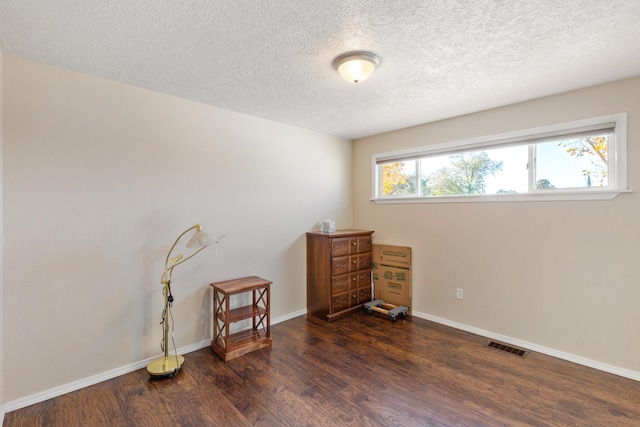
354 296
354 261
354 279
354 243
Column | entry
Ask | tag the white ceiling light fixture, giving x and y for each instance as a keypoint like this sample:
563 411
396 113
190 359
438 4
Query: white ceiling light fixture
356 67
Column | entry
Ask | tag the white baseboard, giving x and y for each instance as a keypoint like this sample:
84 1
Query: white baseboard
95 379
627 373
288 316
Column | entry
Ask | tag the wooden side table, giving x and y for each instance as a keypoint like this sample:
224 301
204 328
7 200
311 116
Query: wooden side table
229 345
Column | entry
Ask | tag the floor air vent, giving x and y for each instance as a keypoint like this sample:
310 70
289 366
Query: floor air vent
508 349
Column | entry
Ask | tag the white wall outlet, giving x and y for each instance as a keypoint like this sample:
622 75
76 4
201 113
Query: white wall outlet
459 293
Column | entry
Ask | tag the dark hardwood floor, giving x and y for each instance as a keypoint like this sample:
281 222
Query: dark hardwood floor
362 370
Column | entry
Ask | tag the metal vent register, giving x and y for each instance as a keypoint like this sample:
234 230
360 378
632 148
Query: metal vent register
508 349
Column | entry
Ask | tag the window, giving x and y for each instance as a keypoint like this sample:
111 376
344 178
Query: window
579 160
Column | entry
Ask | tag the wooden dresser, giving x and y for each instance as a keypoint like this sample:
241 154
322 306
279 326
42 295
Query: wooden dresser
338 272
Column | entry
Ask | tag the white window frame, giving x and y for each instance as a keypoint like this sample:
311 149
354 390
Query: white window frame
617 167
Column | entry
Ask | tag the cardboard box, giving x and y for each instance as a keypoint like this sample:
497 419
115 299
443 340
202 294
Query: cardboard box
394 256
392 274
393 285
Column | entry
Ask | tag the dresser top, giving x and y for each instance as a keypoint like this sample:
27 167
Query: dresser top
340 233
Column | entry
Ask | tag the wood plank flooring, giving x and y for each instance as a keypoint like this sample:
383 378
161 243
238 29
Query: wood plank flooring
362 370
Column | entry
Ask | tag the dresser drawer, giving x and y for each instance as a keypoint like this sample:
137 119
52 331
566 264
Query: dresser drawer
342 301
342 283
360 262
346 282
363 278
340 246
350 245
364 295
341 265
363 244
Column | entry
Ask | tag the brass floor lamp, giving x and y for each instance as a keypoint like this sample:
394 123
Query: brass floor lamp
166 365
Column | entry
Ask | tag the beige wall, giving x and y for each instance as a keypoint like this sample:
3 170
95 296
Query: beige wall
561 275
101 177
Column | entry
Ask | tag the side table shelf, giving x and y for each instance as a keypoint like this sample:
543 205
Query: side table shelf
229 345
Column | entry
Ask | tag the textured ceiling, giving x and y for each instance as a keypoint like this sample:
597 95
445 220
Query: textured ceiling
273 58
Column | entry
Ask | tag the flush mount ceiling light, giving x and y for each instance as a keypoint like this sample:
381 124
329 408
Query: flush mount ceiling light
356 66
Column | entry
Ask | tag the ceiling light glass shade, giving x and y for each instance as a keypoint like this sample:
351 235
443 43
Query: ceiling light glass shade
356 67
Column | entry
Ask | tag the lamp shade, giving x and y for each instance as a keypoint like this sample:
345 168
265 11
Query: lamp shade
356 67
199 239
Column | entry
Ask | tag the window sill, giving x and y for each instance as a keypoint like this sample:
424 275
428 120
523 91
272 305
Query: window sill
530 197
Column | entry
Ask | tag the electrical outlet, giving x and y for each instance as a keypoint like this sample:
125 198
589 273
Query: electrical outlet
459 293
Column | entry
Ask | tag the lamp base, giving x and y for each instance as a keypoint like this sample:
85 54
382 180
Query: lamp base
165 366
